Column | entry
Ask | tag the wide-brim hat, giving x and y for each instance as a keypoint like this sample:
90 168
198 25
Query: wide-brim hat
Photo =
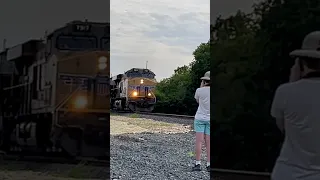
206 76
310 46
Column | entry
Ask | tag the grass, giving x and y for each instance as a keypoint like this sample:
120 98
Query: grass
147 124
113 114
134 124
79 171
135 115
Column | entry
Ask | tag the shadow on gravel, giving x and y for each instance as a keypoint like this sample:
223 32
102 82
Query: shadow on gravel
125 137
79 171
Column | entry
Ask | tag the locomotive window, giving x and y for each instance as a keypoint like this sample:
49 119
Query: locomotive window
148 75
134 74
76 43
105 43
139 74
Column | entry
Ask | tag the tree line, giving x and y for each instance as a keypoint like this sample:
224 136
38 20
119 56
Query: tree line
247 55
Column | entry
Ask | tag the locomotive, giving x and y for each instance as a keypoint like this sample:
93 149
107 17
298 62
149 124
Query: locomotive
133 90
55 93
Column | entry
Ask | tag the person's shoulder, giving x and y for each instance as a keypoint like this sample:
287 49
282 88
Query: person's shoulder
287 86
287 89
202 89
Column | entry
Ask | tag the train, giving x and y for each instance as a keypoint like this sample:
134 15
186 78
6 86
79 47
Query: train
133 91
55 93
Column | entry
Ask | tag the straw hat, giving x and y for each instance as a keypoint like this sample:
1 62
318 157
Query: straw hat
310 46
206 76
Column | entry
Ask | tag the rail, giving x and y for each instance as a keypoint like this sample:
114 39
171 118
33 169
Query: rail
16 86
167 115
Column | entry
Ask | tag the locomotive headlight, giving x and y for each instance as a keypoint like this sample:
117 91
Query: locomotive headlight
102 59
149 94
80 102
102 66
135 93
141 81
102 63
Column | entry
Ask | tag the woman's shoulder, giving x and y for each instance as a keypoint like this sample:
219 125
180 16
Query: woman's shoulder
205 88
201 89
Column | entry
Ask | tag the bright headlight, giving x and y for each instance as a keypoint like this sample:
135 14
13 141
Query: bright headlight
80 102
102 63
135 93
102 59
149 94
102 66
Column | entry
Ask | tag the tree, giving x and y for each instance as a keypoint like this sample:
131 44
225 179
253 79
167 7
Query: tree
176 94
171 92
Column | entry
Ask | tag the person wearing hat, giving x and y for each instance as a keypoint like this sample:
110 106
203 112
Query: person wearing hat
296 109
202 120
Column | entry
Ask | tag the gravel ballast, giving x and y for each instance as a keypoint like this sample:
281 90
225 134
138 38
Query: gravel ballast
152 150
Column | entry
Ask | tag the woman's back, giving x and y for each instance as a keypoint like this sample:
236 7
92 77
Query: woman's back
203 96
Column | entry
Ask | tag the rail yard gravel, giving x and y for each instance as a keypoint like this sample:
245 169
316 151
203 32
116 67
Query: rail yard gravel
152 148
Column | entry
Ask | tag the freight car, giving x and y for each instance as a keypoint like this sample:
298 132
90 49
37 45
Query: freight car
133 90
55 93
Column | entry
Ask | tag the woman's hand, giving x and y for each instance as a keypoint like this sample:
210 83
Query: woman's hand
202 84
295 73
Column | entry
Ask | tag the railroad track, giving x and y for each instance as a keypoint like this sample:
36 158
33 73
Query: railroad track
167 115
154 114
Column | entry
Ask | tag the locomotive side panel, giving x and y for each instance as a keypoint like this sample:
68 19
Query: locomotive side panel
78 72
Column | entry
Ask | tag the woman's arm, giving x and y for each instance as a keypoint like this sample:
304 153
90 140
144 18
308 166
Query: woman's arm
196 96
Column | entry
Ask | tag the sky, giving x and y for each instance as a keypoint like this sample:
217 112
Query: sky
164 32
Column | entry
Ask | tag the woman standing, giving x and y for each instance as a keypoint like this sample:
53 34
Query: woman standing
202 120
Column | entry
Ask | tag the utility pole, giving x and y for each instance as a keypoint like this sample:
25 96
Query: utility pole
146 64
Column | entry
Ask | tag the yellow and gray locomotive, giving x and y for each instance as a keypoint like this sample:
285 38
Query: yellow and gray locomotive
55 93
133 90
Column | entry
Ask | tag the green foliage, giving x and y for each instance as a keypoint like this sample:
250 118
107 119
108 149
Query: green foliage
171 92
248 56
134 115
176 94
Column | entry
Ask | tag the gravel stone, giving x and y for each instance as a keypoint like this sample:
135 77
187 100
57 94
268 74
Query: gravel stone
153 155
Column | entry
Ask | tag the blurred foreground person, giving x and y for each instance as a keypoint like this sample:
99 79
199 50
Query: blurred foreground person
202 121
296 107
